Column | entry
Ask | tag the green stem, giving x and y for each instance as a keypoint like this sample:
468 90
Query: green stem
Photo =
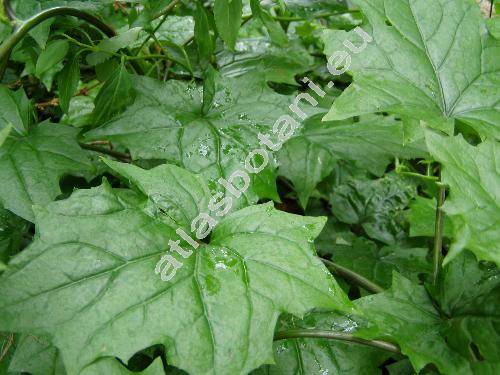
9 12
356 278
438 236
118 155
418 175
291 19
166 10
332 335
26 26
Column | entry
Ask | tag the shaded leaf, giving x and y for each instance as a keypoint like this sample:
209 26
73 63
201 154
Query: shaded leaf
405 315
377 265
469 295
376 205
12 230
307 158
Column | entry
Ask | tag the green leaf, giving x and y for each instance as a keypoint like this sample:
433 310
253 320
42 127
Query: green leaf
111 366
469 294
51 56
107 47
16 110
209 88
41 32
166 122
31 166
310 156
228 16
27 8
376 205
415 64
494 27
473 204
37 356
258 56
314 8
276 32
405 315
175 29
68 81
422 219
319 356
7 342
216 315
12 230
4 133
81 107
114 96
377 265
203 34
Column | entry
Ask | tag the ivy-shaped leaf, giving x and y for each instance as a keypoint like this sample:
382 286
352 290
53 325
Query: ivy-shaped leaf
469 294
31 166
94 264
36 355
405 315
166 121
426 58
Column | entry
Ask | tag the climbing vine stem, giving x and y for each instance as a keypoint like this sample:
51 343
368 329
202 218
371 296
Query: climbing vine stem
438 235
25 27
332 335
354 277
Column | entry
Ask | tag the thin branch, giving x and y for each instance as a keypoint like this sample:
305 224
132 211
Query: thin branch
438 235
354 277
9 12
6 346
166 10
417 175
332 335
116 154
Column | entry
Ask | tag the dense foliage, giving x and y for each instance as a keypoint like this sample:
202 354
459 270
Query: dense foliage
244 186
